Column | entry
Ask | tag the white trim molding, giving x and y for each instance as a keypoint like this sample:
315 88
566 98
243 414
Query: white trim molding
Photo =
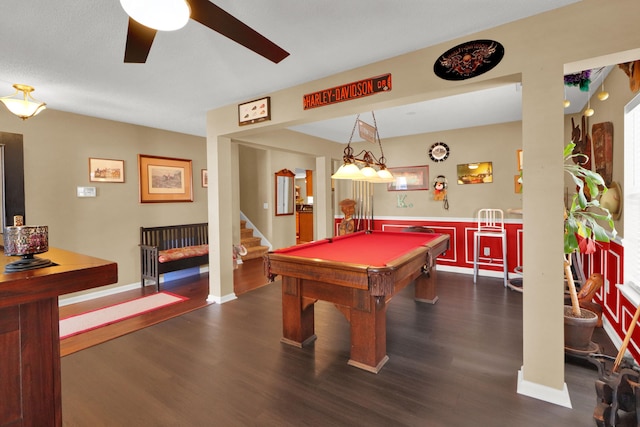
222 299
543 392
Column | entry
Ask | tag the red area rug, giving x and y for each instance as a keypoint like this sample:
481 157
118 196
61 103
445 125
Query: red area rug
90 320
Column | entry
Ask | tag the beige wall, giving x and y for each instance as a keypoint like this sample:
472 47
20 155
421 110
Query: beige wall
57 147
257 186
538 51
611 110
496 144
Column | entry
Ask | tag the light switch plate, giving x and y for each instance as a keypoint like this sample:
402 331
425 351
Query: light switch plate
86 192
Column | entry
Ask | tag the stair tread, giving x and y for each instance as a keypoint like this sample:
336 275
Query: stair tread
256 252
249 242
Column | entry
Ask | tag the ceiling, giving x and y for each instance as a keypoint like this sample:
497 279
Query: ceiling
72 53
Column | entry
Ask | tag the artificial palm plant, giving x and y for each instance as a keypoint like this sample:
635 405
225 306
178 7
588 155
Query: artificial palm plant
583 217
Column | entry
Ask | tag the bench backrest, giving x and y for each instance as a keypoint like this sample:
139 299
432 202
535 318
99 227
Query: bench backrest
175 236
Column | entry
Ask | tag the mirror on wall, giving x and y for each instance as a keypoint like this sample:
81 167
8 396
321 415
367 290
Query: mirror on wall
285 193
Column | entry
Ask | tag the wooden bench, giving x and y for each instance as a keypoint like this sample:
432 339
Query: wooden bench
172 248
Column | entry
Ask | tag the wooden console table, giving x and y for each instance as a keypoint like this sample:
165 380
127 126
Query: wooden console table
29 333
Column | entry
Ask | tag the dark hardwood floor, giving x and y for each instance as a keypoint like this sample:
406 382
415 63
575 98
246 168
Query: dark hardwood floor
247 277
454 363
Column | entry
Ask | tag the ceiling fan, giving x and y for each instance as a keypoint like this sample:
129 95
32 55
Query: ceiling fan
140 37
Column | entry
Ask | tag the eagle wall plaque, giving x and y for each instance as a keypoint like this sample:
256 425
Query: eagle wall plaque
468 60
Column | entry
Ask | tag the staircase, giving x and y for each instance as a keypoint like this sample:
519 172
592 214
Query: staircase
254 249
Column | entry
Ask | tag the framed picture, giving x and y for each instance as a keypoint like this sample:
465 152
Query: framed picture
106 170
204 178
475 173
164 179
254 111
519 154
409 178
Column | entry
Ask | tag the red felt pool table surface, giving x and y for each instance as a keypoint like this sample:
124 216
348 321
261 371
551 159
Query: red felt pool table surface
376 248
359 273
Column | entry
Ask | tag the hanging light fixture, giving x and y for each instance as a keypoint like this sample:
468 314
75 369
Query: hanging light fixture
163 15
23 104
589 111
566 102
350 168
603 95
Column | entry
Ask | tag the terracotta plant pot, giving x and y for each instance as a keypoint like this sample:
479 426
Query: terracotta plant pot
578 330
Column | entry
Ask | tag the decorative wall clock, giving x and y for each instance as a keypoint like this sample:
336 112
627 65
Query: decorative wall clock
439 152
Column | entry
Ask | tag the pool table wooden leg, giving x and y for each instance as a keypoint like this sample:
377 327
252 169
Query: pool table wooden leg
425 286
369 335
297 314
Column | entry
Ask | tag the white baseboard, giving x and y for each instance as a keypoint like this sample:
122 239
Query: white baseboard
222 299
96 294
543 392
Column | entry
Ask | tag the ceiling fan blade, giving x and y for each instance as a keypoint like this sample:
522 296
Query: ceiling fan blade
212 16
139 40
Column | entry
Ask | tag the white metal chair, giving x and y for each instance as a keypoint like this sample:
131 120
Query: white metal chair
490 224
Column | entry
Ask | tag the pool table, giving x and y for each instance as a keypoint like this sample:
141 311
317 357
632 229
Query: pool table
359 273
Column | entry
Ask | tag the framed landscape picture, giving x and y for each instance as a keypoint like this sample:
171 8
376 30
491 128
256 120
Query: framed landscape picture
409 178
165 179
106 170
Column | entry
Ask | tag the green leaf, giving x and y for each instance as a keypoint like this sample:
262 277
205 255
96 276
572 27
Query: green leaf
568 149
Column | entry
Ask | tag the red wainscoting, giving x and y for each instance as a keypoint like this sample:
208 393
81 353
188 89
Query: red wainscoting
608 260
459 257
617 309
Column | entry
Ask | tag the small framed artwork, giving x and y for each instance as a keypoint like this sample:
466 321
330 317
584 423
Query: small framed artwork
106 170
409 178
255 111
475 173
519 155
164 179
204 177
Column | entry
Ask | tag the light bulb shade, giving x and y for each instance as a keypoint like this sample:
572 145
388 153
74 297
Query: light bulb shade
589 112
566 103
603 96
368 172
348 171
383 176
163 15
22 104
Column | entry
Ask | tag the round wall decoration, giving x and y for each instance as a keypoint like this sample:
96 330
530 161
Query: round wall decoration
439 152
468 60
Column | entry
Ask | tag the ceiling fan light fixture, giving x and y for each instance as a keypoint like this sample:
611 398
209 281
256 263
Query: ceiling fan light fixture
162 15
23 104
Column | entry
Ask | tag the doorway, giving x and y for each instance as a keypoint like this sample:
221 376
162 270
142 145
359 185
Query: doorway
304 205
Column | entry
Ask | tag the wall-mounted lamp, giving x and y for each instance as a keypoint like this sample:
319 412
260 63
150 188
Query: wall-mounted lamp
350 168
163 15
21 103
